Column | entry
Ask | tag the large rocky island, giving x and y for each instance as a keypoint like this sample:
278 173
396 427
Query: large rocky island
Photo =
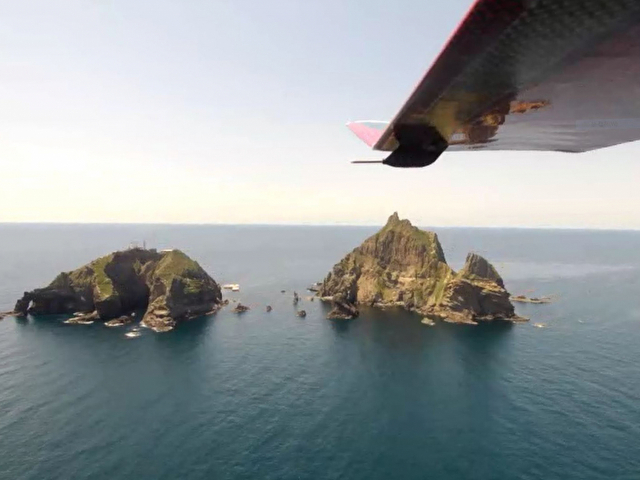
168 285
402 265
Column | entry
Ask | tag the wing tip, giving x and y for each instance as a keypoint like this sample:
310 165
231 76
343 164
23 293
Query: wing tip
369 131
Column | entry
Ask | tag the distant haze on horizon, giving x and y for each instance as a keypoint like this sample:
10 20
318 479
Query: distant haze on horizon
114 111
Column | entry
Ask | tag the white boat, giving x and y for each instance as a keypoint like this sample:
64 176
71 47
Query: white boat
234 287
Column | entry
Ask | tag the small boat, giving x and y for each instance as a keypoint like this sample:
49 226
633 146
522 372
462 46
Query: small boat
132 334
234 287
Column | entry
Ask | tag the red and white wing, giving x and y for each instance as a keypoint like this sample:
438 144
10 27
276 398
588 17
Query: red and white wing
560 75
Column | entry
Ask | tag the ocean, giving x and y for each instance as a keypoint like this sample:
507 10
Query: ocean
274 396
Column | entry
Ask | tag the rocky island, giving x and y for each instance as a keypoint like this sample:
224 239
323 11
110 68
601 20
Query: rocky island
168 285
525 299
404 266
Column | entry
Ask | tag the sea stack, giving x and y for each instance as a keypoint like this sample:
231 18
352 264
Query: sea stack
168 285
402 265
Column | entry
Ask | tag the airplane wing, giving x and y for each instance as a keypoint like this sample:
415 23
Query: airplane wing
560 75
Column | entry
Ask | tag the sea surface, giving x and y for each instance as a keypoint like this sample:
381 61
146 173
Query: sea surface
275 396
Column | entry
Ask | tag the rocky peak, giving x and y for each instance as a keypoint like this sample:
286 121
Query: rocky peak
394 221
478 267
401 245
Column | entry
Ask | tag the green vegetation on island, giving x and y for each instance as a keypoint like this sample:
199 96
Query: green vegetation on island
168 285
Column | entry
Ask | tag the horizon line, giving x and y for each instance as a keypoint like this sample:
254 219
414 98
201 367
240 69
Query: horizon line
363 225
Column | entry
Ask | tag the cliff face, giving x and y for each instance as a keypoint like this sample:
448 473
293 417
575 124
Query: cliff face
169 285
179 289
404 266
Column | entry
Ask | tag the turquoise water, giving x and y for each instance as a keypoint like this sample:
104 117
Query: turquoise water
274 396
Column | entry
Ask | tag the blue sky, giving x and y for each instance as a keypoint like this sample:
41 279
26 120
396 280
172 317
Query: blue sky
234 112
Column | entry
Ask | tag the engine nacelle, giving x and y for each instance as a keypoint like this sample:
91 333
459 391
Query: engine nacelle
419 146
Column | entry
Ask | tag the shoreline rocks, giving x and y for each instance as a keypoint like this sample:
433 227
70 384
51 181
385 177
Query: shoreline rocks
342 309
118 322
402 265
524 299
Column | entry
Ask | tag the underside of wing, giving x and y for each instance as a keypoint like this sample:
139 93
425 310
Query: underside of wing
560 75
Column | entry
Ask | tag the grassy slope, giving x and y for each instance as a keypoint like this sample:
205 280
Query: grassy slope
177 264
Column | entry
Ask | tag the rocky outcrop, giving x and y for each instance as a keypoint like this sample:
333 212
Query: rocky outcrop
476 293
169 286
83 318
119 322
525 299
342 308
240 308
402 265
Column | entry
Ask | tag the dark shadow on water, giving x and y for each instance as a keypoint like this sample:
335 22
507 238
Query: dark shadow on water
480 344
397 330
340 326
19 320
45 321
490 331
186 335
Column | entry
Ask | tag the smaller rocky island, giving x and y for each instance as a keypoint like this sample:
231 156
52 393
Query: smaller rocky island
403 266
169 286
525 299
240 308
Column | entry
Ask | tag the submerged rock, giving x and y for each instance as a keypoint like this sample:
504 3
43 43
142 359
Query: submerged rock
169 285
240 308
118 322
301 313
83 318
402 265
269 308
524 299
